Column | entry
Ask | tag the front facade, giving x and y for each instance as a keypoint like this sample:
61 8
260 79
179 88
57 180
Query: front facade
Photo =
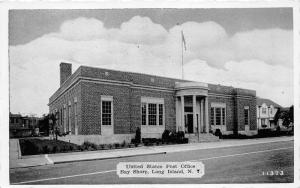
266 110
106 106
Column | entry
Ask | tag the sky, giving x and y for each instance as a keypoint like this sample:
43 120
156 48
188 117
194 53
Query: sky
245 48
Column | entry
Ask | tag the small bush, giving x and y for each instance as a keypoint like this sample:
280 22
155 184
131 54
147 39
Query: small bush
123 144
110 146
54 150
89 145
41 146
166 136
45 149
138 135
117 145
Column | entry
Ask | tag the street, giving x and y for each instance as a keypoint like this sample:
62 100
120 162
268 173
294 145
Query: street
243 164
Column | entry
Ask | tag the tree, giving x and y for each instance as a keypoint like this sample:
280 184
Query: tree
288 116
44 124
53 124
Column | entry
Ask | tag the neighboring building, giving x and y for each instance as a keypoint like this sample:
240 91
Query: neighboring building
266 110
20 126
15 121
106 106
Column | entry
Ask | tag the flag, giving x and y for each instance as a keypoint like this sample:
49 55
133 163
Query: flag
183 40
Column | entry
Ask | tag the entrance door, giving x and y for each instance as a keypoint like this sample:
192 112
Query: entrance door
189 123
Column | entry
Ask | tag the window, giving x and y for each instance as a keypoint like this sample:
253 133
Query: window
152 111
69 117
144 113
76 116
188 109
65 118
212 116
264 110
218 114
271 111
106 112
246 115
62 116
160 114
223 116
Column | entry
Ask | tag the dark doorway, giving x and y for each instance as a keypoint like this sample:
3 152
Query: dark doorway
189 123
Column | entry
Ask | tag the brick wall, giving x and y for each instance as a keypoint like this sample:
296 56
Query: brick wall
169 102
64 99
127 100
230 107
127 107
91 111
241 103
235 111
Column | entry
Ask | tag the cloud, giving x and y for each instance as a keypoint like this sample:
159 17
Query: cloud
273 82
141 30
246 59
274 46
82 29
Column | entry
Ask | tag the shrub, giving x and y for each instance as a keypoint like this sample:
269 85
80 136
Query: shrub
71 148
166 136
218 133
138 135
45 149
180 134
89 145
123 145
117 145
185 140
55 150
109 146
41 146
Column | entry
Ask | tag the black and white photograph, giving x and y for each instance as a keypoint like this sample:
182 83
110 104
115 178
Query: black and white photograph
151 95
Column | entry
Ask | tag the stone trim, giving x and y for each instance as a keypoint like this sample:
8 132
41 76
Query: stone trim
229 96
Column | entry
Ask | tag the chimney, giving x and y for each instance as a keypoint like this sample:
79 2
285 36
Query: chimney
65 72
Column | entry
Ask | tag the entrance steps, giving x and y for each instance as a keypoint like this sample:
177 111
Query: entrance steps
193 138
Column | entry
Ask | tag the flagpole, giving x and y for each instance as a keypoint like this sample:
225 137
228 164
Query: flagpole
182 56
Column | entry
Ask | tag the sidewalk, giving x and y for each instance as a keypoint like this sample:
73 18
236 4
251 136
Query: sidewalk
30 161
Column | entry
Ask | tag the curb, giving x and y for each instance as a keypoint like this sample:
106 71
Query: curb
51 161
228 146
28 166
105 158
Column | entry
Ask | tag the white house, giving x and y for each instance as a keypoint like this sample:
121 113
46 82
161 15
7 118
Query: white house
266 110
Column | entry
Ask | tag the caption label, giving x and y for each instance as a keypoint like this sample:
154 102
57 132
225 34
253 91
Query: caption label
160 169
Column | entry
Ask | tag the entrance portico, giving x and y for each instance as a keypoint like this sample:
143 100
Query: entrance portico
192 107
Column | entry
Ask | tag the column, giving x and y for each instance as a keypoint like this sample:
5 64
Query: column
206 115
178 115
201 115
182 113
65 118
194 112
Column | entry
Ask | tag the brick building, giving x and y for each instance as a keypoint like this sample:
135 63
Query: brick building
22 126
106 106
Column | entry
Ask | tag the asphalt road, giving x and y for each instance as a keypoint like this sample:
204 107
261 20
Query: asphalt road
243 164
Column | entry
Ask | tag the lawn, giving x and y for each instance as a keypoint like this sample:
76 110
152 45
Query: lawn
42 146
